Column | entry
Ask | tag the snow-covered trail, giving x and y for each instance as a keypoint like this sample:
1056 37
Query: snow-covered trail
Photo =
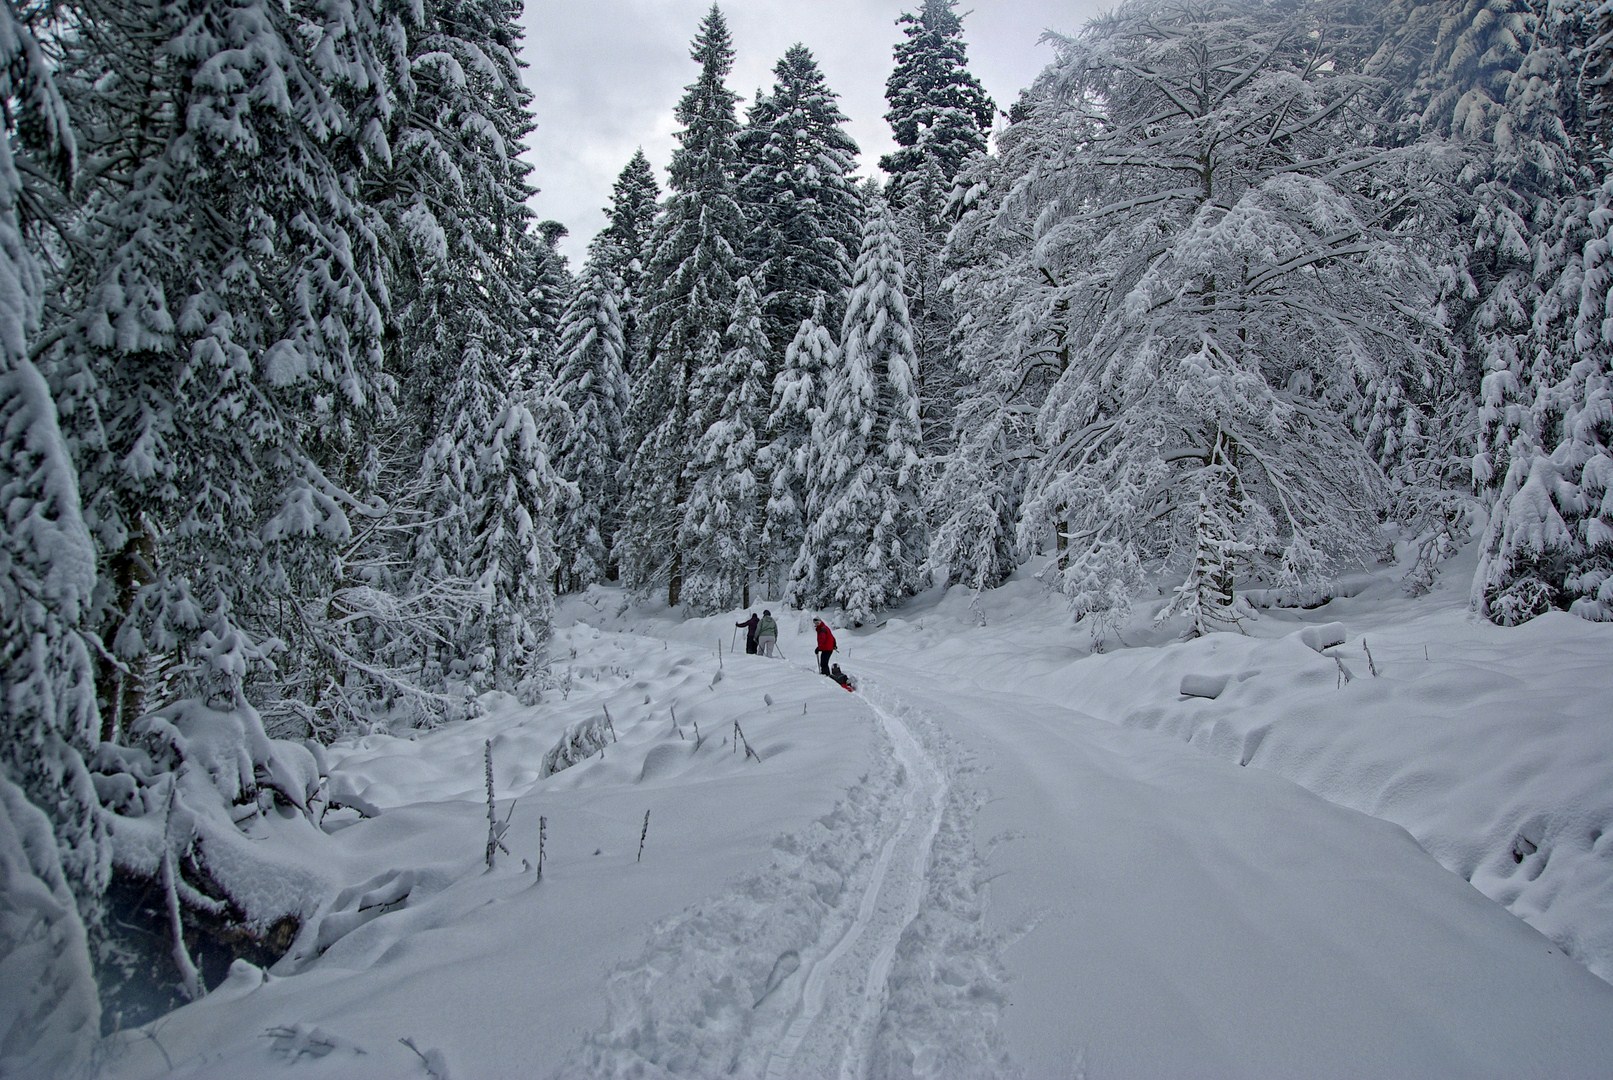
1175 915
831 963
836 1008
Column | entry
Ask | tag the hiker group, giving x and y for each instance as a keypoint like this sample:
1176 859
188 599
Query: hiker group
761 635
761 638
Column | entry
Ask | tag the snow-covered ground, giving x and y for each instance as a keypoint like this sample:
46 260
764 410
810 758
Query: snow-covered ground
1006 855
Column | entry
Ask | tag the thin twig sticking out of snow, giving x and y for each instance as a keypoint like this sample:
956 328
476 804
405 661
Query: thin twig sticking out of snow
492 818
739 739
644 832
436 1066
1370 665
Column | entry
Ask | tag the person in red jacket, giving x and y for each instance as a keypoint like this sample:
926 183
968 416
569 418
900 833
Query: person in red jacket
826 644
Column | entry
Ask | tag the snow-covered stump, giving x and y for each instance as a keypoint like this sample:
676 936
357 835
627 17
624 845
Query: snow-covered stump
1324 636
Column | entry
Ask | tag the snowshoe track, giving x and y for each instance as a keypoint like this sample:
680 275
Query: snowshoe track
795 972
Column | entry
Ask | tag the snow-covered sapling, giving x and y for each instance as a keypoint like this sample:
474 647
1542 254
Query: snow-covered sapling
1372 667
740 740
543 836
643 833
492 818
608 724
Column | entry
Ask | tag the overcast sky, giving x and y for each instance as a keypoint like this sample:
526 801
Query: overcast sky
606 74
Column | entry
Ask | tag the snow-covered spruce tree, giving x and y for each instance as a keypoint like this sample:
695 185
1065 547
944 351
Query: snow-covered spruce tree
694 267
215 335
797 399
939 112
592 381
635 200
452 191
219 317
940 116
1549 540
54 853
1219 279
721 523
807 209
864 546
491 506
454 196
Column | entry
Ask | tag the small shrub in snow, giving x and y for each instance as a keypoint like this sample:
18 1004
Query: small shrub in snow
580 741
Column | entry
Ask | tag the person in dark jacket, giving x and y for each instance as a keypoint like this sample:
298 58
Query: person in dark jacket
826 644
750 626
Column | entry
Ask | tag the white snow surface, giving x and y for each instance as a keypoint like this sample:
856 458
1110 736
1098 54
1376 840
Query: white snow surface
1004 855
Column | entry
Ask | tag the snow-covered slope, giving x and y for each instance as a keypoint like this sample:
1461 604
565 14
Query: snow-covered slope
1005 855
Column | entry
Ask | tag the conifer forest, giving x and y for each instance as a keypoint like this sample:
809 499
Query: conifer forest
306 424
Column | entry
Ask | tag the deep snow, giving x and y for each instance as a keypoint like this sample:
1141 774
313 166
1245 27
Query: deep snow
1005 855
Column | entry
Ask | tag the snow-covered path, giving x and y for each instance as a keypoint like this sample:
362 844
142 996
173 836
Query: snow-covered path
838 1005
951 873
1175 915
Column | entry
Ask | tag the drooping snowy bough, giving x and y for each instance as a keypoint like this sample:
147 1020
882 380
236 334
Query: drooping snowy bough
1190 283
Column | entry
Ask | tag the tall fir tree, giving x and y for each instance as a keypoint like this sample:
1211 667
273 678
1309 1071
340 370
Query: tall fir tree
635 201
54 851
805 207
864 548
721 523
940 116
695 268
221 318
939 112
797 399
592 381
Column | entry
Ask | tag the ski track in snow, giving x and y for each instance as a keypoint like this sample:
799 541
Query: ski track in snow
858 954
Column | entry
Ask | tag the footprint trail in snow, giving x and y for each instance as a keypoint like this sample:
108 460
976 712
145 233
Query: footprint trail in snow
793 973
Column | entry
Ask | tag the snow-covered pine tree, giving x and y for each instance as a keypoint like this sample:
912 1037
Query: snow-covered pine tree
797 399
54 854
1545 415
461 268
806 207
722 522
864 547
491 506
220 316
592 381
694 267
215 334
1213 335
939 112
940 116
635 200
